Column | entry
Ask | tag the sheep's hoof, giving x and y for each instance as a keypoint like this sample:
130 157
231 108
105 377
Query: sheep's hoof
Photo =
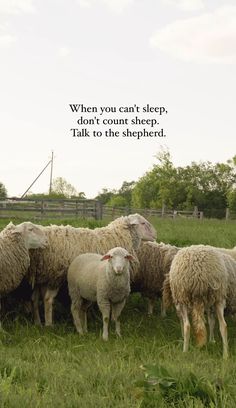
105 338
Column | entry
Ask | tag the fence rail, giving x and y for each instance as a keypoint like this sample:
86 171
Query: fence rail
82 208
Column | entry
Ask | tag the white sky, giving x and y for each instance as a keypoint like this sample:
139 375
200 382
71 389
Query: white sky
175 53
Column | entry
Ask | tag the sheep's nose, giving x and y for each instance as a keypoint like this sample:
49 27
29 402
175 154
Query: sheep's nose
119 269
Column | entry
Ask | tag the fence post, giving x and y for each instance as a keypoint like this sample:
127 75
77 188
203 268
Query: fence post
163 209
98 210
195 211
201 215
175 213
227 214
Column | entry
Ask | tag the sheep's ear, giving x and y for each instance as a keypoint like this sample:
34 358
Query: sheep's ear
129 257
107 256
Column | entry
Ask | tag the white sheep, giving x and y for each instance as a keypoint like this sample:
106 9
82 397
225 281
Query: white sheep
227 251
198 281
102 279
154 263
49 267
15 242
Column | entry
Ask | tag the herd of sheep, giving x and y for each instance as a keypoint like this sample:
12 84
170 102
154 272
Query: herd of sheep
103 265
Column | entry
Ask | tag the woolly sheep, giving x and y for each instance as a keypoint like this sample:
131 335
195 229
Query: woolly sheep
106 282
226 251
154 263
15 242
198 281
167 298
230 264
49 267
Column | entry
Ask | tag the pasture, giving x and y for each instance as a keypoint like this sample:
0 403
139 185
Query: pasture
54 367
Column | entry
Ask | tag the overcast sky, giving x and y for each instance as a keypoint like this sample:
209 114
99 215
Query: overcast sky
180 54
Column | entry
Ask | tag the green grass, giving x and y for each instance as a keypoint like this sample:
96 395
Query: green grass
42 367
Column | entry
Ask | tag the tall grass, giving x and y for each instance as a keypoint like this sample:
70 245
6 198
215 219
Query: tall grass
42 367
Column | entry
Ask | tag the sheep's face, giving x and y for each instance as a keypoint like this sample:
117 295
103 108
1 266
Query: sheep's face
33 235
145 230
119 259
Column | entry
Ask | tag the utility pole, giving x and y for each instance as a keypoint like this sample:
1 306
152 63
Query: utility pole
50 185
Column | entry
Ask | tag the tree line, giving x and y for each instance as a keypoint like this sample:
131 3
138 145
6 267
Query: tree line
203 184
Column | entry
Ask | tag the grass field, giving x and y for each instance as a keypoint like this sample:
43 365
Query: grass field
42 367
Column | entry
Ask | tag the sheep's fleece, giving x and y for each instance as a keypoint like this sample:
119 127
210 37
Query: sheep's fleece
155 261
198 273
49 266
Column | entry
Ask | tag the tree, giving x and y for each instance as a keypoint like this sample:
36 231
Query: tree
158 186
231 200
62 188
203 184
126 192
105 195
3 191
117 201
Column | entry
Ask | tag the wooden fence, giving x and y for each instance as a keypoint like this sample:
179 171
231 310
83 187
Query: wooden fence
50 208
72 208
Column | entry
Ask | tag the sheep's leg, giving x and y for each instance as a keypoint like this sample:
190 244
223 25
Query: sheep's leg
116 311
76 313
186 326
223 328
179 314
35 303
83 314
85 322
49 296
105 309
151 303
211 323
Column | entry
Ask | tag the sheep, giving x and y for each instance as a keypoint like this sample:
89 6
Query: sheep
15 242
154 263
227 251
167 296
198 280
107 283
49 267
